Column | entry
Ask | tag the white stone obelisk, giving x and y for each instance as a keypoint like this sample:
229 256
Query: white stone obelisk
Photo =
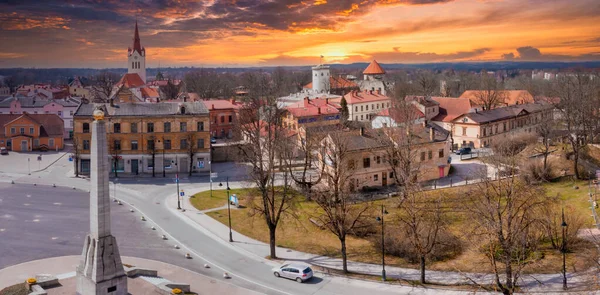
100 270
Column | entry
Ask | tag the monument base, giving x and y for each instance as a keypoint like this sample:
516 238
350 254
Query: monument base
100 269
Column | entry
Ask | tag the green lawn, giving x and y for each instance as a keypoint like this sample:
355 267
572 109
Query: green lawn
578 199
204 201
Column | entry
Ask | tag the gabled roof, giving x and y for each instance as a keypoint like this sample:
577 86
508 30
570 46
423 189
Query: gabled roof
144 109
362 97
337 83
399 116
511 97
221 104
149 93
131 80
504 113
451 108
374 69
52 125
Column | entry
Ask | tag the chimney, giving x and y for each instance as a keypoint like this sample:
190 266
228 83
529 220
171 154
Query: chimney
213 106
362 131
326 101
431 134
370 91
319 110
378 91
306 101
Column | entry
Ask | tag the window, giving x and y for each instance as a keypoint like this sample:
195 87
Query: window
464 130
361 117
134 127
430 154
200 126
183 144
167 164
441 153
150 144
167 144
367 107
222 119
60 113
201 143
484 131
167 127
36 143
30 130
150 127
182 126
496 128
134 145
86 144
356 118
504 127
356 108
150 163
361 108
22 130
375 177
366 162
117 145
230 118
13 130
117 128
378 160
71 113
392 174
51 143
215 120
86 127
422 156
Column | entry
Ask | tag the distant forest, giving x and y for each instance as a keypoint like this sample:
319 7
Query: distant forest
20 76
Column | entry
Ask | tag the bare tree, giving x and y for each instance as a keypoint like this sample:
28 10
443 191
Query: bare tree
170 91
267 145
339 213
77 149
491 93
102 85
306 148
503 216
115 150
191 149
152 151
207 84
427 84
422 220
579 104
545 131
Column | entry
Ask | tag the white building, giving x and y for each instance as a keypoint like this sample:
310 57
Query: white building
136 57
373 78
320 79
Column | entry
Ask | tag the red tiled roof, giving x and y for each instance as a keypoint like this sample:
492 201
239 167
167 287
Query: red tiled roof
374 69
512 97
149 92
337 83
362 96
397 115
451 108
221 104
52 125
131 80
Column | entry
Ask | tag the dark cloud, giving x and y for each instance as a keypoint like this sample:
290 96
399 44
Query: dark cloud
529 53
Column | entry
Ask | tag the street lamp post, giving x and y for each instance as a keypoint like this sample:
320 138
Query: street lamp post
228 209
564 249
163 150
210 177
115 188
380 219
29 166
177 181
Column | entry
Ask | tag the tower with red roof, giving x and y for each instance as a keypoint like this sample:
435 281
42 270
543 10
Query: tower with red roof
374 71
136 57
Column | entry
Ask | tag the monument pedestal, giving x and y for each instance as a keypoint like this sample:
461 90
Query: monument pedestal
100 269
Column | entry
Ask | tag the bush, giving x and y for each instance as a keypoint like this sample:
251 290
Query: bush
398 244
533 171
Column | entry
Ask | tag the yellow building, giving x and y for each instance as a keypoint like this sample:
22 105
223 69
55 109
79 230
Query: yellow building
482 128
149 137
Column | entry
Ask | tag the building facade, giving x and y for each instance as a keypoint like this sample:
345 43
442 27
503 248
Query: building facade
31 132
484 128
150 137
223 117
364 105
63 108
311 113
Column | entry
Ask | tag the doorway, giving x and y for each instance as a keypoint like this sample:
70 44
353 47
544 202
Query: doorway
24 146
441 169
383 178
135 166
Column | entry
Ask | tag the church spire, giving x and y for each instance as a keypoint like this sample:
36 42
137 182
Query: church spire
136 40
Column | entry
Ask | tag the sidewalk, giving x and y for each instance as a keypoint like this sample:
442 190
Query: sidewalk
64 268
531 283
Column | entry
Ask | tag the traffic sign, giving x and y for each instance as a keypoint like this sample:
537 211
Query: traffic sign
214 175
39 157
182 193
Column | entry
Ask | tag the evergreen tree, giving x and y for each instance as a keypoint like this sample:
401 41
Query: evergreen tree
345 112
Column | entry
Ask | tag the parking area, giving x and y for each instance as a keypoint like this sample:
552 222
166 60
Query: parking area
25 162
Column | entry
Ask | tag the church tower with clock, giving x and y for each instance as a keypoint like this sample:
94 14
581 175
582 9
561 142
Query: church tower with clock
136 57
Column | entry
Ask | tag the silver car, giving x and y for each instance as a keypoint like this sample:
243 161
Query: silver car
297 272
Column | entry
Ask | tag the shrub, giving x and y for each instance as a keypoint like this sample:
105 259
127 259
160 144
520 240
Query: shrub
533 171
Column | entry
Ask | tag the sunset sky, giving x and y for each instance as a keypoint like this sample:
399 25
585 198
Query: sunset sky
232 33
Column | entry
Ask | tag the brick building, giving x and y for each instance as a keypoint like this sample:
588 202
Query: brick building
223 117
29 132
170 131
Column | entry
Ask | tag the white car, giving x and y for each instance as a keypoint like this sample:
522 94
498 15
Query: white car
297 272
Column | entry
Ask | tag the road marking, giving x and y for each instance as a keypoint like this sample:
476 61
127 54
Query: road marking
208 261
7 216
29 196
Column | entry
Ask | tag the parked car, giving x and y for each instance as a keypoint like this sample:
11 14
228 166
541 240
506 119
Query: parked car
3 151
213 140
463 151
297 272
